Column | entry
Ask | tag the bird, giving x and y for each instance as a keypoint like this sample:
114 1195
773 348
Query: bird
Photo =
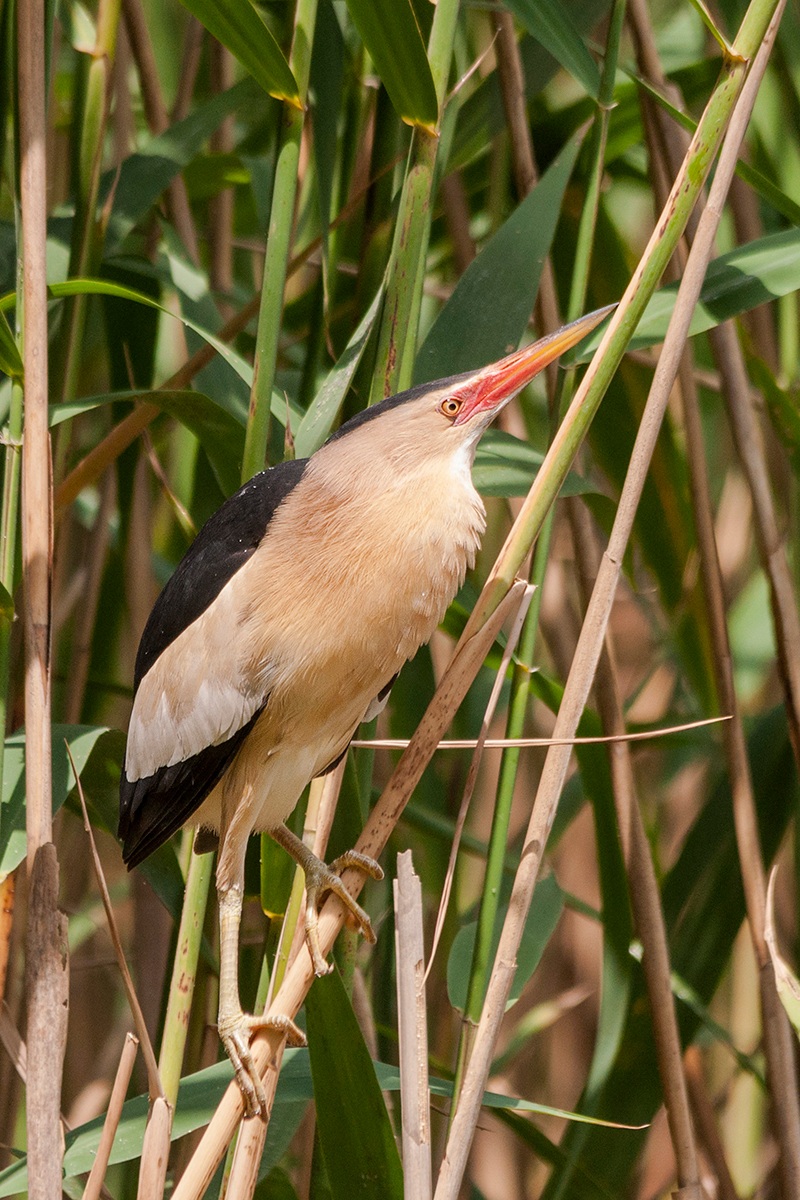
283 628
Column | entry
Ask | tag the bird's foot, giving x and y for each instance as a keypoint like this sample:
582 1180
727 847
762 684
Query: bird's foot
235 1031
322 878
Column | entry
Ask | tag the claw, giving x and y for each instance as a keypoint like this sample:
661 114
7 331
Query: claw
235 1032
321 878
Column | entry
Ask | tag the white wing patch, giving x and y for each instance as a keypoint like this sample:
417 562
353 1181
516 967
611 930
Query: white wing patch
195 695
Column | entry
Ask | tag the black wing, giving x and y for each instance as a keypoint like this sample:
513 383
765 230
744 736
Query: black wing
153 808
156 806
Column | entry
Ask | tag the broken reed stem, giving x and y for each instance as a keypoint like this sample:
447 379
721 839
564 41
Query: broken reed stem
593 632
644 892
94 1184
268 1046
413 1030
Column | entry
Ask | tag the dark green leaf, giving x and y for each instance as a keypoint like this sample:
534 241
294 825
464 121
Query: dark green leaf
390 33
735 282
550 23
487 313
238 25
354 1128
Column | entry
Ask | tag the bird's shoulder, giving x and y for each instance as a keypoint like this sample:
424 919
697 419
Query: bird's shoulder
222 547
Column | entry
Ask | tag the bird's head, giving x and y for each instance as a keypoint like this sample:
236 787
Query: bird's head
449 415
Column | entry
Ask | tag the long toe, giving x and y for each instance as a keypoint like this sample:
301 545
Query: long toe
320 879
235 1033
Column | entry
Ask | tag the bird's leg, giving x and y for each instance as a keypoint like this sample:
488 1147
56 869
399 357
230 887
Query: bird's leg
321 878
235 1027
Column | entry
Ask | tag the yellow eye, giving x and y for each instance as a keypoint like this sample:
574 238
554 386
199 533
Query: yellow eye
451 407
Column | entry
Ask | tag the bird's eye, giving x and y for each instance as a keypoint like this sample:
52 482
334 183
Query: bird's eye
451 407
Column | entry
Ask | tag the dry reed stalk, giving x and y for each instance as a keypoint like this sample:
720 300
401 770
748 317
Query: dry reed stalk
94 1184
593 632
268 1046
46 948
413 1031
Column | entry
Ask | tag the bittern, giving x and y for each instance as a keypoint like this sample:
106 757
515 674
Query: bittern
283 628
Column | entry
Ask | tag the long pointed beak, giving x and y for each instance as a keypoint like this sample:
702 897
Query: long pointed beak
501 381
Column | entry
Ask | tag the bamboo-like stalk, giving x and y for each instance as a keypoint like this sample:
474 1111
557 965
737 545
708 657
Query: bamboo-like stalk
706 1123
413 1030
279 241
320 811
684 192
46 948
184 972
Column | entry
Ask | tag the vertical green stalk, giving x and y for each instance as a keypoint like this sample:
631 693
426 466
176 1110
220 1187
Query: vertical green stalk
279 240
184 968
521 680
400 320
9 524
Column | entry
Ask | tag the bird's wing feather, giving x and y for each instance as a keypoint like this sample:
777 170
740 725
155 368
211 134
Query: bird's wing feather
156 806
193 703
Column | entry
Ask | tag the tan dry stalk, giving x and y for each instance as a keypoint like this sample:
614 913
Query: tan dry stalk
268 1046
749 441
155 1150
94 1184
413 1031
645 896
46 947
591 642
